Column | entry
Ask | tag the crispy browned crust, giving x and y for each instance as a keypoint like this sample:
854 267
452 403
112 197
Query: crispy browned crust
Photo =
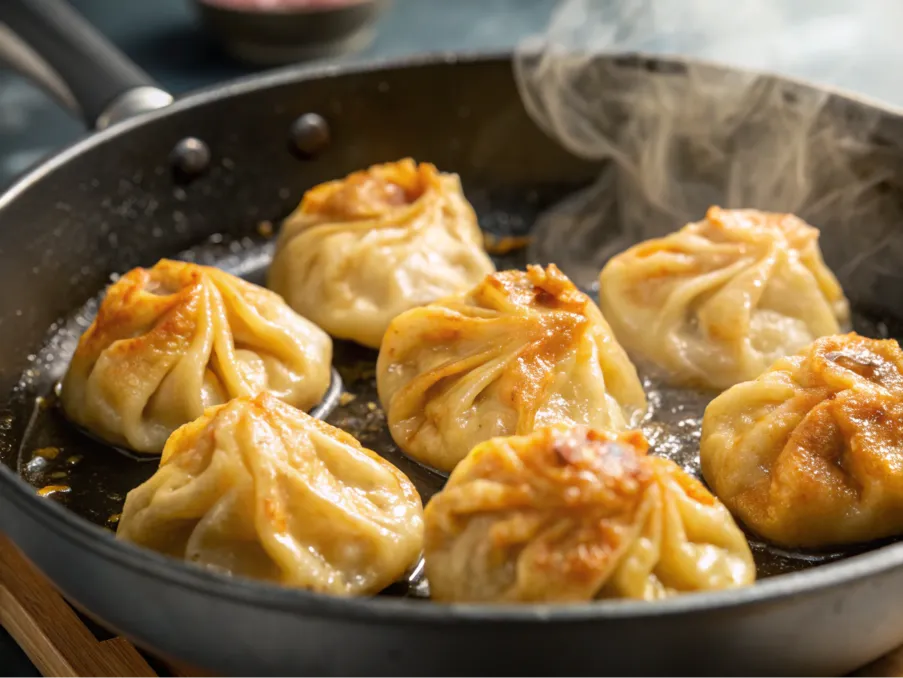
832 451
570 514
268 411
153 307
362 249
738 232
531 321
371 192
258 488
572 495
712 304
151 319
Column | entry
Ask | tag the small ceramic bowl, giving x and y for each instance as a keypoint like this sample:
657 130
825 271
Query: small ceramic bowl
276 32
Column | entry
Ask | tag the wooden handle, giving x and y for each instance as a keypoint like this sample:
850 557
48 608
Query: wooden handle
889 665
59 644
48 630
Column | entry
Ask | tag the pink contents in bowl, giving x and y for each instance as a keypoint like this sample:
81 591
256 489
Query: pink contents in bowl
275 32
282 5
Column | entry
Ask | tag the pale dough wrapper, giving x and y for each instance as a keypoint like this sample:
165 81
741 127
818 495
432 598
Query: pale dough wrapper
174 339
259 489
810 454
520 350
360 250
569 515
718 301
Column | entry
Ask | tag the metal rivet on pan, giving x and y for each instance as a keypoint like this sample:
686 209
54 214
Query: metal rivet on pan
309 134
190 156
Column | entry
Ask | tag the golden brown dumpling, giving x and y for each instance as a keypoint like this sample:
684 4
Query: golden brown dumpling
360 250
172 340
520 350
260 489
574 514
811 453
718 301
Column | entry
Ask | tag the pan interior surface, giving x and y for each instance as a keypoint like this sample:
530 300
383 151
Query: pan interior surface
92 479
128 210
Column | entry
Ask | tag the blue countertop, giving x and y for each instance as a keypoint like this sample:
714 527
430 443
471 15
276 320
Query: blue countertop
166 38
850 43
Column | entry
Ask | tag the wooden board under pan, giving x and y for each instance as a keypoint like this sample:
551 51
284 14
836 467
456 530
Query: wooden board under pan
59 642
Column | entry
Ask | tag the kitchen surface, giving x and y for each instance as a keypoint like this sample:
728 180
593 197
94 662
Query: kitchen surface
168 40
850 44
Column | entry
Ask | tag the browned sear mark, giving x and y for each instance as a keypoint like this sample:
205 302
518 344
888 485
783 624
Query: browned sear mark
501 245
48 490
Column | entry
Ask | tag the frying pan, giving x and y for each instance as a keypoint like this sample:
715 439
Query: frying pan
212 170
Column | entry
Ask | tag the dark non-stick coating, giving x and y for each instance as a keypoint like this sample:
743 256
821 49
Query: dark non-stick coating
111 203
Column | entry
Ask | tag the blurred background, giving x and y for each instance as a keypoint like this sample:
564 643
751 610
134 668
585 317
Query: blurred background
189 44
174 43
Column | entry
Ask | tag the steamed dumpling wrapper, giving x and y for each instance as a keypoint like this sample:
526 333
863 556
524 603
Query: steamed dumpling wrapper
575 514
810 454
259 489
520 350
718 301
360 250
174 339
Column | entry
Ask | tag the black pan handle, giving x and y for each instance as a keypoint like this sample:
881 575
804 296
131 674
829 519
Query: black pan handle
76 63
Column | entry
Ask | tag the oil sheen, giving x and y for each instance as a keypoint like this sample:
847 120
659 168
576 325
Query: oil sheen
93 479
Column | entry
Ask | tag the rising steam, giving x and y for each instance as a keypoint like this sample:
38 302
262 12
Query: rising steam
675 135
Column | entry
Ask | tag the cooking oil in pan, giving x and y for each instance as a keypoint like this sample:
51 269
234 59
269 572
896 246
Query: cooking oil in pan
93 480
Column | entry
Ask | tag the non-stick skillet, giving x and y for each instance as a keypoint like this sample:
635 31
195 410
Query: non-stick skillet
207 177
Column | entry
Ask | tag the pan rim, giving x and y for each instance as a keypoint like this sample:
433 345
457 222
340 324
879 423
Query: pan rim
77 530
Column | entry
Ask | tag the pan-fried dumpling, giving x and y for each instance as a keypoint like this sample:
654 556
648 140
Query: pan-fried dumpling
361 250
718 301
260 489
575 514
520 350
810 454
174 339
